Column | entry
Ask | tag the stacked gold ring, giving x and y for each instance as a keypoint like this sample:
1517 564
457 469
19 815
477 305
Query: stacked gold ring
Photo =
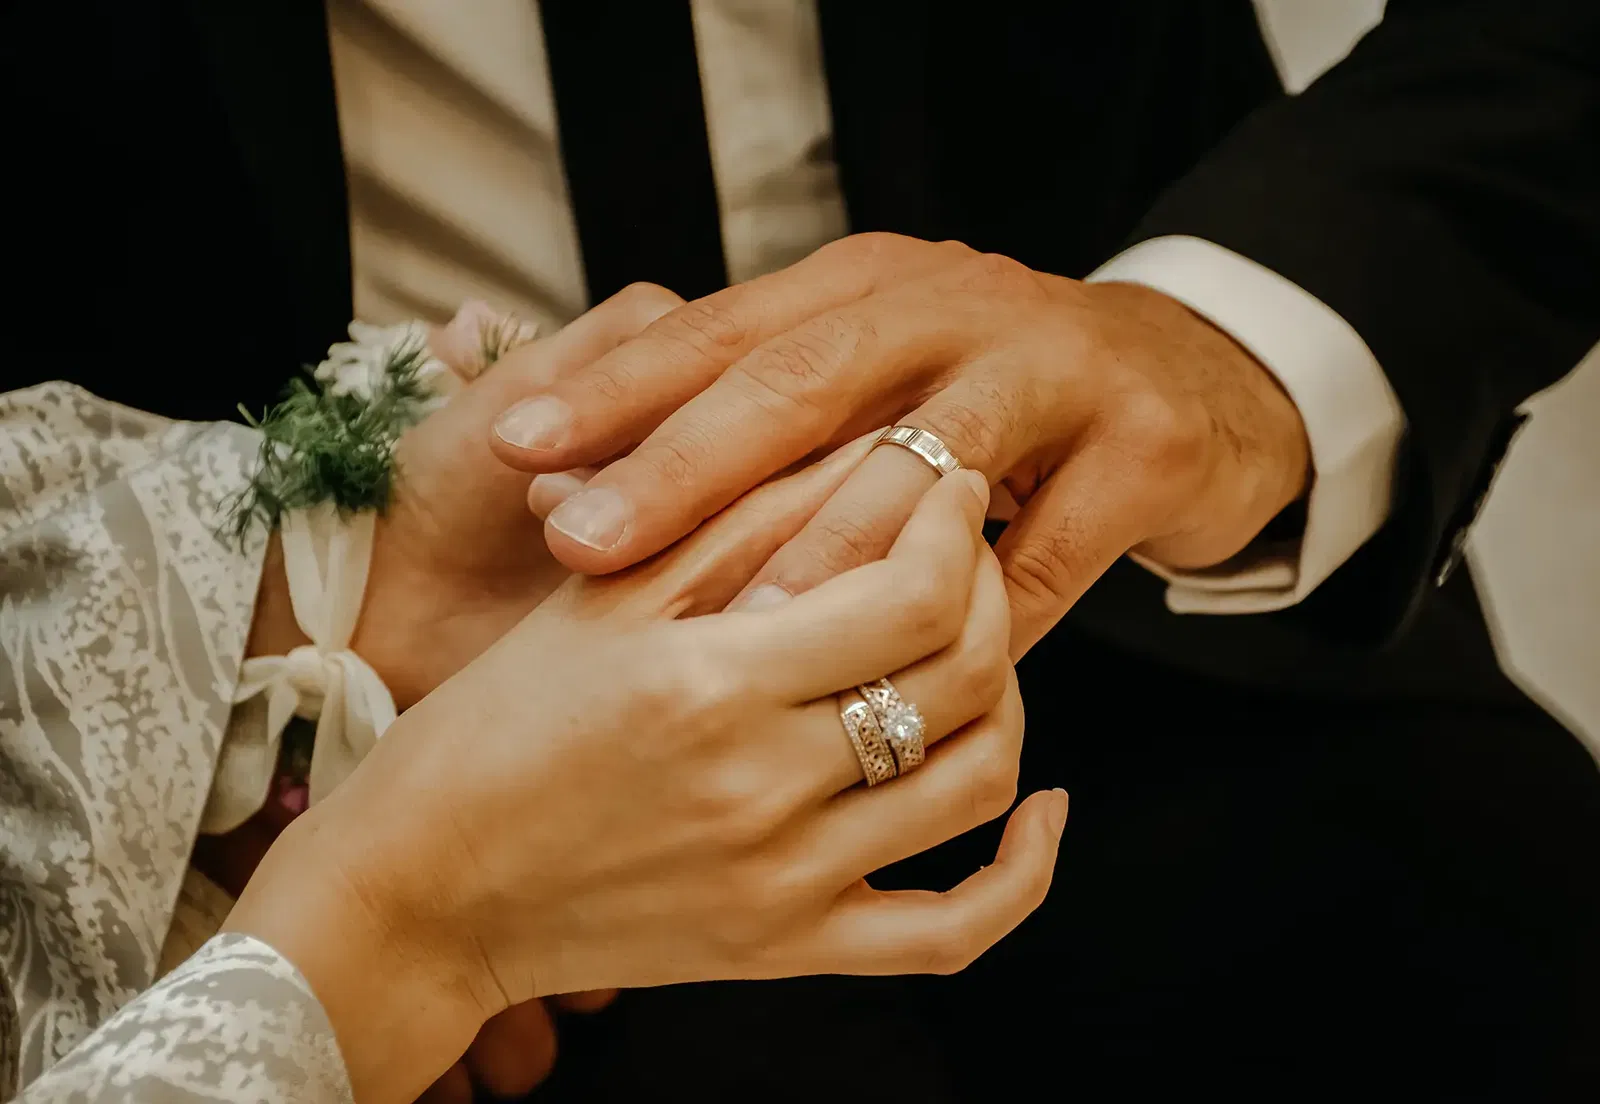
865 732
899 721
885 731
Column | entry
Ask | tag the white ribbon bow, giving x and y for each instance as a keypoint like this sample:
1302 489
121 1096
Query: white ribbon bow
326 558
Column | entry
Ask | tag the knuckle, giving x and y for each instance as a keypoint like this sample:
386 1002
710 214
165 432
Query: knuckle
1043 567
998 275
843 542
984 676
975 433
869 248
646 302
609 380
954 252
926 605
706 326
679 459
1165 436
689 687
793 368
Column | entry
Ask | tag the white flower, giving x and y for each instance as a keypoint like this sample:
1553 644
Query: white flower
360 366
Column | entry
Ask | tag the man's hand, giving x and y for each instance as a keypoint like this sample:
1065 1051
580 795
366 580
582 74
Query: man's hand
1117 418
513 1053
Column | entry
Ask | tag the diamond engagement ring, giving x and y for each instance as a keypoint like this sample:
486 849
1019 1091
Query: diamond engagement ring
901 724
927 446
865 732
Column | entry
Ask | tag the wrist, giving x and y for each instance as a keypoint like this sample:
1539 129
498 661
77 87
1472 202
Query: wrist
1256 460
402 1006
273 629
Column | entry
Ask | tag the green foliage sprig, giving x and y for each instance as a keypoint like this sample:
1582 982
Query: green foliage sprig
322 443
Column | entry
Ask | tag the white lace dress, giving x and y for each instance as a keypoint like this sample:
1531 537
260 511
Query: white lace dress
123 620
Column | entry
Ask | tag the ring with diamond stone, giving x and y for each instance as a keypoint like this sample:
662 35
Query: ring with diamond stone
927 446
901 724
865 733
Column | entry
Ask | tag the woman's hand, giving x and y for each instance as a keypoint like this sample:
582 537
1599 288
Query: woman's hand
457 561
612 798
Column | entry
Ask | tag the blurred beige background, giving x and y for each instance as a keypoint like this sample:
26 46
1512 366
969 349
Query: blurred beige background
1535 552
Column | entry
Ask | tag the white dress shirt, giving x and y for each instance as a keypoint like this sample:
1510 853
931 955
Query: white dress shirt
457 192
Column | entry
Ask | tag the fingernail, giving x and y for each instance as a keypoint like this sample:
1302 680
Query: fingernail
1058 812
596 518
540 423
979 484
546 492
762 597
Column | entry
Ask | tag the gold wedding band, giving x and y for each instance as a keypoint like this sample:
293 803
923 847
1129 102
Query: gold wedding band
899 721
933 452
862 728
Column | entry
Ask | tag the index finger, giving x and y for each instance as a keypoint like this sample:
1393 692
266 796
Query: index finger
616 401
874 620
832 377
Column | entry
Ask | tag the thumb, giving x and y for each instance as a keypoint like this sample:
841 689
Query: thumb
1073 528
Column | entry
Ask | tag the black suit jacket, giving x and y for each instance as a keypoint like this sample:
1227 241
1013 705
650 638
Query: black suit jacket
179 222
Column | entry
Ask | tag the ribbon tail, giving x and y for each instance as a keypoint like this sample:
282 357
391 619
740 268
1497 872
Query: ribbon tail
248 760
301 534
330 759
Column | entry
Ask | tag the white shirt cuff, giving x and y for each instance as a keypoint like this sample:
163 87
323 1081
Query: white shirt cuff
1353 419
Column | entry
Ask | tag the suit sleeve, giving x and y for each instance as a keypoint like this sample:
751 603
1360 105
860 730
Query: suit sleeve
1440 191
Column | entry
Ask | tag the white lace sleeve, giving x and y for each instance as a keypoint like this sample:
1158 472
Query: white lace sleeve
123 622
236 1022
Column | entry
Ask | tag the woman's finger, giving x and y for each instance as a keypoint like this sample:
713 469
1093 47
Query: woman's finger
857 525
969 779
514 1051
874 620
950 689
918 932
991 417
